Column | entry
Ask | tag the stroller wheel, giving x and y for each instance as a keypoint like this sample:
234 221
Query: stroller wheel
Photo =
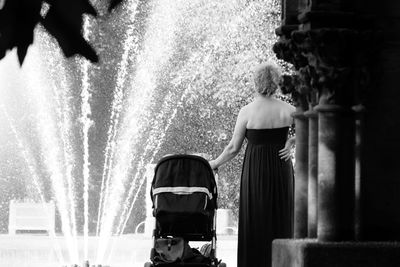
148 264
222 264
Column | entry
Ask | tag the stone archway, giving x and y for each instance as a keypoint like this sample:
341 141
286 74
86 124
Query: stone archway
347 59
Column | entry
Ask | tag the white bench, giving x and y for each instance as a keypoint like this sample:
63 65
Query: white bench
225 223
31 216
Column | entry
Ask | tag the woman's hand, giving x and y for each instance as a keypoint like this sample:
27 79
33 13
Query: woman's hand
213 164
286 152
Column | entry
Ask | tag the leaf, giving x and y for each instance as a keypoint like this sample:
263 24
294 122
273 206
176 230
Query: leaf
18 20
70 40
64 21
113 4
27 21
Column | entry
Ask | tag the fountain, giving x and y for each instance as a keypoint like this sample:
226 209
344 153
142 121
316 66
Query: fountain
87 264
83 135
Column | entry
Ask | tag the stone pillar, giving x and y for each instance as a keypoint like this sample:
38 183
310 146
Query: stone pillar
290 84
301 174
312 116
359 114
335 173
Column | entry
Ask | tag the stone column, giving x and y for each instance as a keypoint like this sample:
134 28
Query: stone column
301 174
291 85
330 70
359 114
312 116
335 173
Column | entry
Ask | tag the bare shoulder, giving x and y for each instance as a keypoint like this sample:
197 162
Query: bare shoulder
246 109
287 111
245 112
288 107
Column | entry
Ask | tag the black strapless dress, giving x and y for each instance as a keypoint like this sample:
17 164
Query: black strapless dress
266 197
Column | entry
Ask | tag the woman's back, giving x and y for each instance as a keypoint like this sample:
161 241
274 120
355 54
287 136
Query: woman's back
273 137
266 189
268 113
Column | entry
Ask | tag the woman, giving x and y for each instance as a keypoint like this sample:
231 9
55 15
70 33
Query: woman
266 191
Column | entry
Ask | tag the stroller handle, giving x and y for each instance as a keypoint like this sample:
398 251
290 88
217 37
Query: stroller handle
216 174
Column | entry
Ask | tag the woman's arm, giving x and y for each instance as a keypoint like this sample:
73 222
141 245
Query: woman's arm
233 148
286 152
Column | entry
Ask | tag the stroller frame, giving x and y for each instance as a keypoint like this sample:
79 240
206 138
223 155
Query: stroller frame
210 236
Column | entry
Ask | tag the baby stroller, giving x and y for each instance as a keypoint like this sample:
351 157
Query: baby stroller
184 195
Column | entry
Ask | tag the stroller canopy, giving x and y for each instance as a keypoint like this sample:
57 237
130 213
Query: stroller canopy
184 174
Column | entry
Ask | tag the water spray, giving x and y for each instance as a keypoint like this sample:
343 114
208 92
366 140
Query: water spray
86 264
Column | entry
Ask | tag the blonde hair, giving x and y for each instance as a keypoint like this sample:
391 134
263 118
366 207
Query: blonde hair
266 78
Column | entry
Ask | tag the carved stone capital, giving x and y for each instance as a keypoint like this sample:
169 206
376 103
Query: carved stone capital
328 46
311 114
328 61
332 108
293 85
299 87
299 115
287 50
326 17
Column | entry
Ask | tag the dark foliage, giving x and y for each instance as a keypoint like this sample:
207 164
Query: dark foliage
63 20
113 4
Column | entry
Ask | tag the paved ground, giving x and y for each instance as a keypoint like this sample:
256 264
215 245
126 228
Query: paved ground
128 250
